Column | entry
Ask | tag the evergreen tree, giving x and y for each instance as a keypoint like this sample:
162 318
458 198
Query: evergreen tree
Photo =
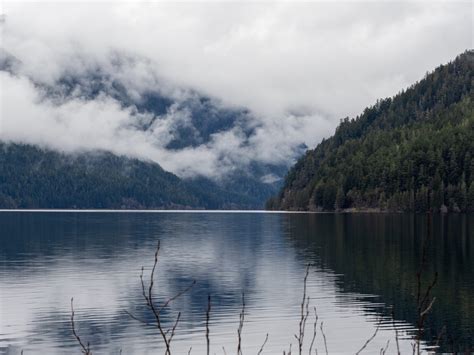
412 152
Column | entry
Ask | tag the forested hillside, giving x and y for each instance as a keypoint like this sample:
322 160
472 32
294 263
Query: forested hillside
32 177
172 118
412 152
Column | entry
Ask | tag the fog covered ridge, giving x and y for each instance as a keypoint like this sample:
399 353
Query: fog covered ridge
100 109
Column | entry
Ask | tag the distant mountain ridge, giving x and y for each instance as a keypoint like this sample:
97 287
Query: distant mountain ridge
412 152
33 177
245 186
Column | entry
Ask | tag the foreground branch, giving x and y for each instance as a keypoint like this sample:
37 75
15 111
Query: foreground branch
84 348
147 293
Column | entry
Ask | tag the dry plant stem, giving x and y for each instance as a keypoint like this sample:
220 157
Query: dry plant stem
304 313
369 340
147 293
396 332
85 349
241 325
315 330
324 337
136 318
263 345
384 350
208 314
149 299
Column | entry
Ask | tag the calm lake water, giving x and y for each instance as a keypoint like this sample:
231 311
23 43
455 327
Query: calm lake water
362 275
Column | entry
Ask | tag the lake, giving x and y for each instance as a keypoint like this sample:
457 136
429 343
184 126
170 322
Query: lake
362 277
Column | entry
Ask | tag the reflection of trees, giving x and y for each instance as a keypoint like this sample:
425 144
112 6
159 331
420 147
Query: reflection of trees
380 254
373 254
79 243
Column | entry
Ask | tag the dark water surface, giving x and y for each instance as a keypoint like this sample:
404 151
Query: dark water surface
363 274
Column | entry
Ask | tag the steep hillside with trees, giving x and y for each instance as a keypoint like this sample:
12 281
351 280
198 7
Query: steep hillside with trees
412 152
32 177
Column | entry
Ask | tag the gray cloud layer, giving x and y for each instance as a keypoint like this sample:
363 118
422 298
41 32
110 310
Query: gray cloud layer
299 67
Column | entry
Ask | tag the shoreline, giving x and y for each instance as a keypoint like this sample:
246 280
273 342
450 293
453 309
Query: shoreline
109 210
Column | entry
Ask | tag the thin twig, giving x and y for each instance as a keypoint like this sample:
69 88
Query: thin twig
176 296
396 332
315 330
324 337
173 330
425 312
208 313
147 293
263 345
304 313
370 339
85 349
241 325
131 315
384 350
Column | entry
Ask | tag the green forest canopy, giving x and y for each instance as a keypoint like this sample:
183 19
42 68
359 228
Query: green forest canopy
412 152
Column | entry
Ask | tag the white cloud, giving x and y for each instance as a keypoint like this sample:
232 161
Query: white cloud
299 67
102 124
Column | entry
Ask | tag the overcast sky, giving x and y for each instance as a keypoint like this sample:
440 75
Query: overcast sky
299 67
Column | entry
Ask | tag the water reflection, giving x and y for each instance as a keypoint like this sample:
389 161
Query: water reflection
363 265
381 254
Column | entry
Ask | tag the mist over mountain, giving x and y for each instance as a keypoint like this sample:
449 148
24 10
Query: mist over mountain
178 122
208 93
121 106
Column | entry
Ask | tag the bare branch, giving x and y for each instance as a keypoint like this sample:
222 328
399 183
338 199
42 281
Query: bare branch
263 345
304 313
85 348
208 314
173 330
384 350
426 311
136 318
241 325
324 337
396 332
370 339
147 292
315 330
176 296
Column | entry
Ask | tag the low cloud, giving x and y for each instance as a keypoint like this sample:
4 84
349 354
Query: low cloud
298 68
78 124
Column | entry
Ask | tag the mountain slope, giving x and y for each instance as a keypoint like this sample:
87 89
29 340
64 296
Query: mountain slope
32 177
412 152
174 121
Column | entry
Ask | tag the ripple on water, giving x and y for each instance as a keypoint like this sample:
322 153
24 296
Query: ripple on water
98 260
